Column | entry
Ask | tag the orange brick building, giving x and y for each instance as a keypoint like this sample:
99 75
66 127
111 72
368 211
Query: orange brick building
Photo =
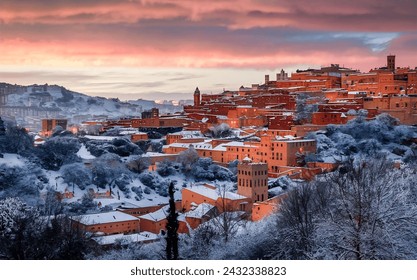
224 201
200 214
156 222
48 125
272 149
284 151
252 180
265 208
108 223
325 118
402 107
140 136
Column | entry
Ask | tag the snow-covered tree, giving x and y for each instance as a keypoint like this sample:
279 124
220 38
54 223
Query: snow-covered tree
138 164
76 174
364 210
372 214
58 151
205 169
230 220
166 168
304 108
107 169
24 182
222 130
15 140
296 223
20 227
187 158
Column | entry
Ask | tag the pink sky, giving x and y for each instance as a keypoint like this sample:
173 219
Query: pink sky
162 49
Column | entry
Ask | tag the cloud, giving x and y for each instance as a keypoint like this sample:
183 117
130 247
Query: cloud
159 34
178 44
370 15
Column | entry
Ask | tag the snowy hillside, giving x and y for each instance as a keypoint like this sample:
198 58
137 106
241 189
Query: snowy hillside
71 103
78 107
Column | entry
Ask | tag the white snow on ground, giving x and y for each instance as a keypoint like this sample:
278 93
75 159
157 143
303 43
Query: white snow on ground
101 138
84 153
57 182
137 237
12 160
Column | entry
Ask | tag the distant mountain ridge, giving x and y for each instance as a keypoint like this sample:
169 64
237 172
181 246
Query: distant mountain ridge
46 100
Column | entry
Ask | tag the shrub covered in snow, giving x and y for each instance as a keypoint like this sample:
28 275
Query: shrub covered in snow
167 168
361 137
138 191
76 173
205 169
138 164
150 179
58 151
222 130
15 140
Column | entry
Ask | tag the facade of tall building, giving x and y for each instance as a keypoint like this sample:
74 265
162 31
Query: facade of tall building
197 97
253 180
391 63
48 125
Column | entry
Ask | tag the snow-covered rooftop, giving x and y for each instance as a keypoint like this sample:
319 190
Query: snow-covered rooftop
220 147
248 159
291 139
178 145
199 211
214 193
154 154
199 145
103 218
140 203
158 215
237 144
122 205
129 132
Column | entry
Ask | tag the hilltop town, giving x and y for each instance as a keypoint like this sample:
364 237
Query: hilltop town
235 157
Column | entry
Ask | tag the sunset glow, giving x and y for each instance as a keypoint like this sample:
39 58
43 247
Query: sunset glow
162 49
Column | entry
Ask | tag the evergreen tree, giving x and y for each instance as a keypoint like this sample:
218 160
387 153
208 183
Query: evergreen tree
172 227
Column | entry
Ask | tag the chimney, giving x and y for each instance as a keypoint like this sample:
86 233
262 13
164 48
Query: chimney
266 79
